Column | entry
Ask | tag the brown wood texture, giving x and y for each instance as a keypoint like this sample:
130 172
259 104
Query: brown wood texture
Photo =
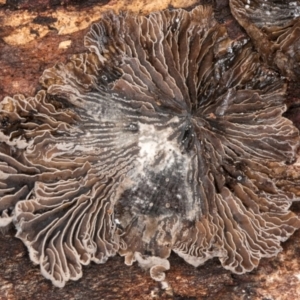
34 35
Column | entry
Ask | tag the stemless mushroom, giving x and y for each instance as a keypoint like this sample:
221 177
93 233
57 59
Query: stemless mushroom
166 136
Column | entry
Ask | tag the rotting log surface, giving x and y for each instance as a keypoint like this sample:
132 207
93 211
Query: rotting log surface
34 35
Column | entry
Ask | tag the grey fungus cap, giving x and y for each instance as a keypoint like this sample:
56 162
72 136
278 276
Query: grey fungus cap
166 136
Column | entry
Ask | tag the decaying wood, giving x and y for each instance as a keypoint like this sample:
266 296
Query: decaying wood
34 35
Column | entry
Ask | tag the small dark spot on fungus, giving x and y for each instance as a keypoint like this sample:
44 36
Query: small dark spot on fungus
166 136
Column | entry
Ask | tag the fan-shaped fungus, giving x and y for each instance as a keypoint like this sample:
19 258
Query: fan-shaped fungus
166 136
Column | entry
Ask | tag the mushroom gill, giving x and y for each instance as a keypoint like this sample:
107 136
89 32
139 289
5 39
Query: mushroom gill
274 27
166 136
